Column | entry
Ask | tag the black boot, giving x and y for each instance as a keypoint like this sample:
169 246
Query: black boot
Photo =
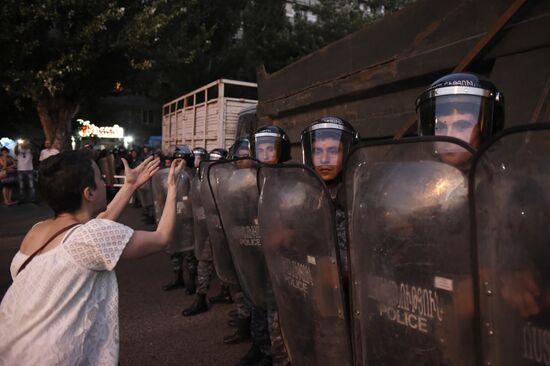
198 306
223 297
190 280
241 334
253 356
191 288
177 283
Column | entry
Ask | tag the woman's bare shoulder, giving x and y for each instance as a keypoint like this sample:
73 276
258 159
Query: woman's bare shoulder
35 236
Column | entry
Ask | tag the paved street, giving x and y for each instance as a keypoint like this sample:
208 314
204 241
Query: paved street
153 332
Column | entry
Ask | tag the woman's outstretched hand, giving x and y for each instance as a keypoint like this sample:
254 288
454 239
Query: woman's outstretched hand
141 173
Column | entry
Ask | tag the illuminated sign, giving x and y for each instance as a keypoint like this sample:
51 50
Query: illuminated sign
88 129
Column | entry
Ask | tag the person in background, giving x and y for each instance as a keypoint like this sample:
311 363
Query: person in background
25 171
47 151
133 158
146 152
8 176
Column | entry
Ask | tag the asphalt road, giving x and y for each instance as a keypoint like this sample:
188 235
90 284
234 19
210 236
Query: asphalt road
152 330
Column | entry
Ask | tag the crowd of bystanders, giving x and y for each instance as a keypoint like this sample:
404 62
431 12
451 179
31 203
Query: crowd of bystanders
18 168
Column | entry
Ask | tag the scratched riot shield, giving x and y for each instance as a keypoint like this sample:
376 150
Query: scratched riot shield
200 231
182 239
223 262
298 235
411 261
235 191
512 214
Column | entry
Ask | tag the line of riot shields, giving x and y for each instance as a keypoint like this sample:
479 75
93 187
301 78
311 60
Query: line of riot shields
449 261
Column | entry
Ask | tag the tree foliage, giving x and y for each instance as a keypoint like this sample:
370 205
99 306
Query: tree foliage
60 53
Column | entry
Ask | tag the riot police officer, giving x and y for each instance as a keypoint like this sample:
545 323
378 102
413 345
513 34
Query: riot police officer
272 146
185 153
241 148
470 108
410 229
205 268
179 249
309 269
511 255
325 145
298 213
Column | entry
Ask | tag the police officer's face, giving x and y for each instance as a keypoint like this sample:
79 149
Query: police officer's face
243 152
327 156
266 152
462 126
198 159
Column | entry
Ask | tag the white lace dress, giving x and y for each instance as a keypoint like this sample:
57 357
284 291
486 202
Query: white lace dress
62 309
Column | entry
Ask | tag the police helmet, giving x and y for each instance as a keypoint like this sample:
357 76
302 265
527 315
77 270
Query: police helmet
462 105
280 151
325 144
242 148
185 153
200 151
200 154
218 154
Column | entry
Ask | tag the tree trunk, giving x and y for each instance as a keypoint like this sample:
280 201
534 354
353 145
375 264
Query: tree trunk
55 115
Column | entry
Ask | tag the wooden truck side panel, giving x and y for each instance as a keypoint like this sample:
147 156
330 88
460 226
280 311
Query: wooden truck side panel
195 120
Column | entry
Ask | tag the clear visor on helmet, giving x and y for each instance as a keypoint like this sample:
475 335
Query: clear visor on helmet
241 149
459 116
268 147
215 156
325 150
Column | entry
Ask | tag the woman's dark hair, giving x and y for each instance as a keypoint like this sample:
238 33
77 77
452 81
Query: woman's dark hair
4 149
62 179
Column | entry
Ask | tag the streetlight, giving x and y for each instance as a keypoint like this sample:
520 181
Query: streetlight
128 140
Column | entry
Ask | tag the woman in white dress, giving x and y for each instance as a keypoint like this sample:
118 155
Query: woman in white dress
62 308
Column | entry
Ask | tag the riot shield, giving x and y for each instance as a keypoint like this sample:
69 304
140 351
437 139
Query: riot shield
182 239
235 192
411 261
159 188
509 187
298 235
200 231
223 263
183 233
